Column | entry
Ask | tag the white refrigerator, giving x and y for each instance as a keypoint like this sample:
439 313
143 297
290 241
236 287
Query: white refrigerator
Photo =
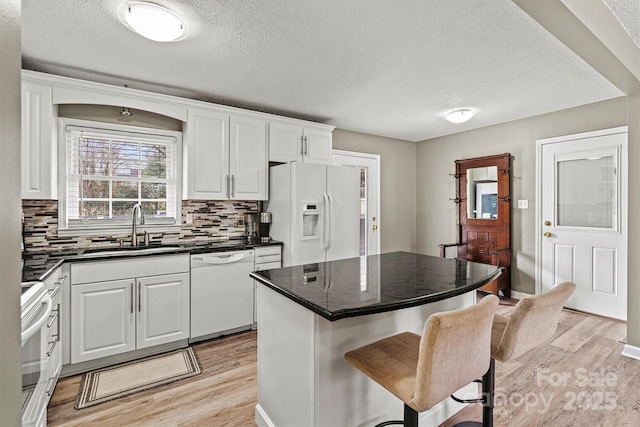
315 211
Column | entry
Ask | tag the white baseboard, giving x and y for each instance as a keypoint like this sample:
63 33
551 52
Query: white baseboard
631 351
519 295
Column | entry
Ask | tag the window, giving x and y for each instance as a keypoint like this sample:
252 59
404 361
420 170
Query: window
107 169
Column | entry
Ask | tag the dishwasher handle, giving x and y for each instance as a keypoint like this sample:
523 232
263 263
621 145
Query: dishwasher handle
220 259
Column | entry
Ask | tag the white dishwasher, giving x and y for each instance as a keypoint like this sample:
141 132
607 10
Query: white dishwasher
221 293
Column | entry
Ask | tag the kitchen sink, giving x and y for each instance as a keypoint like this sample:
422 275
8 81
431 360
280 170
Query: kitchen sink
130 250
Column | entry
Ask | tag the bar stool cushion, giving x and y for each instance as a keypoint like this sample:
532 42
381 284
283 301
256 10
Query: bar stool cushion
453 351
533 321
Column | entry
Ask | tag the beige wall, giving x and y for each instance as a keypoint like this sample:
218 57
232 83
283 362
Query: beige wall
633 290
436 215
397 185
10 371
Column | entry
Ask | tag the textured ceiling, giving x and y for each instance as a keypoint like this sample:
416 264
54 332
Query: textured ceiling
628 13
390 68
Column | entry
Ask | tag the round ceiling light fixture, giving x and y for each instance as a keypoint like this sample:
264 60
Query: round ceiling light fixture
152 21
459 116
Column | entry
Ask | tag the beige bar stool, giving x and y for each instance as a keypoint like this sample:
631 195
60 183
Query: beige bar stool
454 350
533 321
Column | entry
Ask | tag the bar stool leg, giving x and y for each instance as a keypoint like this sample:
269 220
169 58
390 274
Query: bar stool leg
488 391
410 417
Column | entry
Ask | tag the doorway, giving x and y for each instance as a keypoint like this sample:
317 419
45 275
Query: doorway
582 219
369 165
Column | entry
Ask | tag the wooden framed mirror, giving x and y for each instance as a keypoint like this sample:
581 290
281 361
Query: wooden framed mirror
484 215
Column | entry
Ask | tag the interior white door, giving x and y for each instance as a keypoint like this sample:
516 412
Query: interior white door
343 194
583 217
369 164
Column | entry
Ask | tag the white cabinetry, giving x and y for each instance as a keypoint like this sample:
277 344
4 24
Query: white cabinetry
146 304
160 319
103 319
248 165
266 258
226 156
55 336
292 142
38 142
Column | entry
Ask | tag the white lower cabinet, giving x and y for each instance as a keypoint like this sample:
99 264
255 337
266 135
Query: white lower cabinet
125 315
111 317
163 309
103 319
267 258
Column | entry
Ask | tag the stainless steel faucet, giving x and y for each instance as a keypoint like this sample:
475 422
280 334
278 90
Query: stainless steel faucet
134 232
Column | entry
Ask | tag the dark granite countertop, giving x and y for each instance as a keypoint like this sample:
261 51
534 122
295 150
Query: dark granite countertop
40 265
375 284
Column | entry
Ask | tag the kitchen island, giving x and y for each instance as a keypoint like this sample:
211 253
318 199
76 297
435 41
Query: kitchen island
310 315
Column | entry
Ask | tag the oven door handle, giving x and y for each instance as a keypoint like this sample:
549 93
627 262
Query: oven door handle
31 330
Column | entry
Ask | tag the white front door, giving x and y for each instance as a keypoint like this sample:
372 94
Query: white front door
583 219
369 196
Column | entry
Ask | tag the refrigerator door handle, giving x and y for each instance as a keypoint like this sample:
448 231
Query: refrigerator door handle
325 213
329 220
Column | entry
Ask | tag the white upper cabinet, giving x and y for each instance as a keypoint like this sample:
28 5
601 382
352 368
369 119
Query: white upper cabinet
248 158
293 142
226 150
39 154
317 146
207 155
226 156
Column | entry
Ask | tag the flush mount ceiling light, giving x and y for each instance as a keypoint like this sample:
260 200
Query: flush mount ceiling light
459 116
152 21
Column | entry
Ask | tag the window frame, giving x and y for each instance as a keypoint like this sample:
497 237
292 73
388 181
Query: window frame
91 227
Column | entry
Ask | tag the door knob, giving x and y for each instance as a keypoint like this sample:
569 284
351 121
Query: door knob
375 227
547 223
547 234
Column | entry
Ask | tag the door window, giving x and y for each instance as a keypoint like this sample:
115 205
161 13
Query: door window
586 192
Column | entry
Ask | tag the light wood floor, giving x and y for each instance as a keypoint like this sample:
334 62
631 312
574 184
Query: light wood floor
541 388
224 394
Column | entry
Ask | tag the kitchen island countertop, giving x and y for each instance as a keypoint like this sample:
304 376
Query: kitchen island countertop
377 283
310 315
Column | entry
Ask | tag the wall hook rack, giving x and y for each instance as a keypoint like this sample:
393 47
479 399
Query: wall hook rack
455 175
505 198
457 200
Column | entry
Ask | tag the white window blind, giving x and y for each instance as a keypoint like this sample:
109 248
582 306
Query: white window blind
108 171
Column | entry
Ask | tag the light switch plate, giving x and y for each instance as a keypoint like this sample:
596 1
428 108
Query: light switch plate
523 204
189 219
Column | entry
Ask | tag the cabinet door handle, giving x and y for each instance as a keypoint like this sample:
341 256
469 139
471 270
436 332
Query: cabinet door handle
139 299
228 195
53 382
233 186
306 145
53 346
52 319
301 145
131 297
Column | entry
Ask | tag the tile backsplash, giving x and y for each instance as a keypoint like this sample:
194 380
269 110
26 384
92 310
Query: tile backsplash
212 220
